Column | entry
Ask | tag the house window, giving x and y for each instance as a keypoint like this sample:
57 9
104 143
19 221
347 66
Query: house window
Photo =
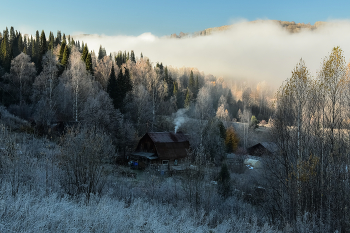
165 162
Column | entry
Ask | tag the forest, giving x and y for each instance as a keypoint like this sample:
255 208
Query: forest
70 118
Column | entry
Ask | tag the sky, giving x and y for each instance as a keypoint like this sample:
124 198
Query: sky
258 52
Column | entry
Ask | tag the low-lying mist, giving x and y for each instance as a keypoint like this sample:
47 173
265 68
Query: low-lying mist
254 51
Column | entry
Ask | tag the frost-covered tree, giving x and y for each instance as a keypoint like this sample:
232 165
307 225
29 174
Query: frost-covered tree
103 70
204 104
21 77
139 107
84 155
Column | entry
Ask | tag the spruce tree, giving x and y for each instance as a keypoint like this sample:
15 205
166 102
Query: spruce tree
32 52
101 53
224 185
175 89
191 82
51 41
85 53
111 87
63 46
42 51
12 36
20 43
89 64
43 44
132 56
188 98
5 52
123 87
37 45
25 44
65 56
58 38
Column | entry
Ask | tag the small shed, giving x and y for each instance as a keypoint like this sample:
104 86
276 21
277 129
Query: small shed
263 148
162 148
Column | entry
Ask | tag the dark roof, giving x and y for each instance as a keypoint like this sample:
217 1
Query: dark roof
269 146
165 137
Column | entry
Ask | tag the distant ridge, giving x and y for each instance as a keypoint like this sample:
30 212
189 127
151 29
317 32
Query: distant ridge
292 27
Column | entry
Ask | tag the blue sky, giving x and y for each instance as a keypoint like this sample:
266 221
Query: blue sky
164 17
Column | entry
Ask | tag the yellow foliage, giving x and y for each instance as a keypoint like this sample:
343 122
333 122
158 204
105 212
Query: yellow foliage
231 140
308 168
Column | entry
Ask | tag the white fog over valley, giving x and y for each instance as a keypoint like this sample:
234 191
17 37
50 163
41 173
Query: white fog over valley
258 51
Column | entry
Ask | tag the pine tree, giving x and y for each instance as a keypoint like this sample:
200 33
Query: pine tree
89 64
141 55
111 87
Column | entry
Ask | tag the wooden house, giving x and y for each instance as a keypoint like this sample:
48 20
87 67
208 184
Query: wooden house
165 148
262 148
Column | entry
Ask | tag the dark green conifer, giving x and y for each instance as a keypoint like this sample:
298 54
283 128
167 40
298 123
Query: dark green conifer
132 56
65 56
5 52
20 43
43 44
51 41
188 98
101 53
191 81
85 53
63 46
58 38
111 87
122 88
224 185
89 63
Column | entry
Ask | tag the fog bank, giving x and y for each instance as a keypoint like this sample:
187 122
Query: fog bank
256 51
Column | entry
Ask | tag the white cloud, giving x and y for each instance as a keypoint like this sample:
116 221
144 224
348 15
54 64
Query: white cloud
259 51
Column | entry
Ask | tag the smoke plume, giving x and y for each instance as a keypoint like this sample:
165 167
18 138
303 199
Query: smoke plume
180 118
